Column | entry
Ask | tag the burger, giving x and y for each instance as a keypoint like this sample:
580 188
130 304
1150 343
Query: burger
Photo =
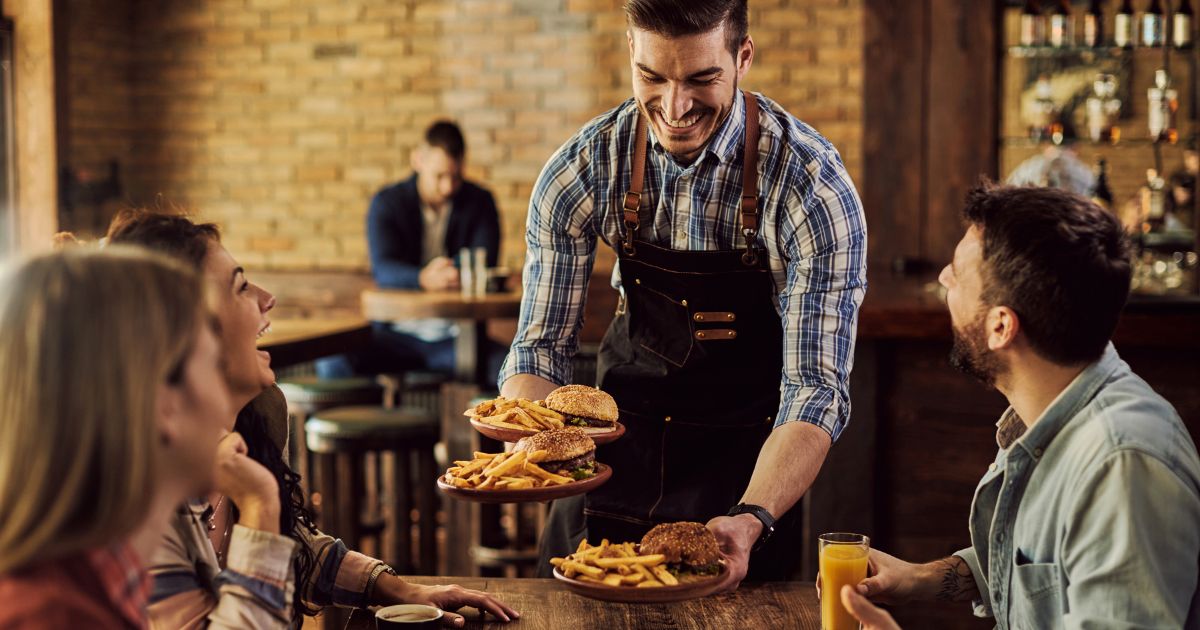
690 548
569 452
584 407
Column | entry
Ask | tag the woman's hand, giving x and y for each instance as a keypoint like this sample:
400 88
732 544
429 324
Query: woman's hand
451 597
248 484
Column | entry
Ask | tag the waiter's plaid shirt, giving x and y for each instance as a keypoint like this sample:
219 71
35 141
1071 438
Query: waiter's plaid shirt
811 225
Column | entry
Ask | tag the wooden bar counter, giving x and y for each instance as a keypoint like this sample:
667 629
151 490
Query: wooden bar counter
547 605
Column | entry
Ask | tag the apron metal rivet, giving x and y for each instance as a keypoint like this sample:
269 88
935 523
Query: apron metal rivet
730 334
729 316
637 280
699 318
684 302
699 335
667 419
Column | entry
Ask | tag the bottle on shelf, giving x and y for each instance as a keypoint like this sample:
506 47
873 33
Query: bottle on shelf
1164 103
1093 25
1123 25
1062 32
1103 110
1153 202
1152 25
1101 193
1033 24
1181 28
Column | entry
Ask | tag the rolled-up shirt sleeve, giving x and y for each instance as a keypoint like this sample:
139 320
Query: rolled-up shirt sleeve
825 242
256 588
560 240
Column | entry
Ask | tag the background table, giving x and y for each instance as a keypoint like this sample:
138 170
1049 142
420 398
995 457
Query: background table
293 341
544 604
472 315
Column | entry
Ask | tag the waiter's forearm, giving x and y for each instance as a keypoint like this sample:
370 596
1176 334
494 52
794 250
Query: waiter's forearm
527 386
787 465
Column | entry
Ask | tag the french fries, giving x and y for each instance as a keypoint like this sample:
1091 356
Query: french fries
516 413
517 470
615 565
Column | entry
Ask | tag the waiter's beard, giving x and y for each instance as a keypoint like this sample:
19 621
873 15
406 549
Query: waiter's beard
970 353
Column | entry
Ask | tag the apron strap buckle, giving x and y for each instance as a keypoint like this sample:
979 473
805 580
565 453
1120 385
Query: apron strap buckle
750 258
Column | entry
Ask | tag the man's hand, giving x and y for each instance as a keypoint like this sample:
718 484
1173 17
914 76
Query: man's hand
527 386
439 275
735 535
870 616
894 581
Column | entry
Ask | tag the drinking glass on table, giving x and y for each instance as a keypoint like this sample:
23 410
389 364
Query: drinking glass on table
843 560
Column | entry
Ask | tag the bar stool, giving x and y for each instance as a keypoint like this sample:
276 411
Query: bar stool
339 439
307 395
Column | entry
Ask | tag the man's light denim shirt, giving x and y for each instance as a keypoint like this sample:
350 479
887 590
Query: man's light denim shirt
1091 518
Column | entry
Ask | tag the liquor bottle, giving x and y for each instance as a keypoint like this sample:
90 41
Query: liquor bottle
1101 193
1123 25
1093 25
1181 30
1033 24
1164 102
1155 200
1062 33
1152 25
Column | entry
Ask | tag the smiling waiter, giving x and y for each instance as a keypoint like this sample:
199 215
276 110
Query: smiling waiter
742 263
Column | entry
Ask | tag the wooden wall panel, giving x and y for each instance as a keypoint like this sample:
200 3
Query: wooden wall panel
893 124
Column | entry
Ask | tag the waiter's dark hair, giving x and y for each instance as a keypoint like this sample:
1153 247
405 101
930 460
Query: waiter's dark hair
446 136
676 18
1060 261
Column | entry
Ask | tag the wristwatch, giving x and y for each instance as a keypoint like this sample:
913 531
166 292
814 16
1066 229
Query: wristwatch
761 513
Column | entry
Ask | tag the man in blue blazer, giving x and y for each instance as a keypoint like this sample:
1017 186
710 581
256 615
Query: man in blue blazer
415 229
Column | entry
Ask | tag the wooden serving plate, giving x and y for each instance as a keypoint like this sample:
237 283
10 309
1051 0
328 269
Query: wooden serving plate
690 589
532 495
512 435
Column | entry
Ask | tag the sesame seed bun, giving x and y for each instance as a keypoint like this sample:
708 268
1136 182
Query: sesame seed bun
596 407
687 544
559 444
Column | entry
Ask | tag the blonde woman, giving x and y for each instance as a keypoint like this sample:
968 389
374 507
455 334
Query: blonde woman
110 414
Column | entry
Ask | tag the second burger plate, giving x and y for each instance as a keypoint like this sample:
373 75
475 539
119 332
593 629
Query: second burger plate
512 435
531 495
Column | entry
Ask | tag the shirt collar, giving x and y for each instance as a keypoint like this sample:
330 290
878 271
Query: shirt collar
125 580
1064 407
724 144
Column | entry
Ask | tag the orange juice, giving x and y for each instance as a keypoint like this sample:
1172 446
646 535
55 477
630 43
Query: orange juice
840 565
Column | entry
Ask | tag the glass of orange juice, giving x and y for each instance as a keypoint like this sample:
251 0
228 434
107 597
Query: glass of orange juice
843 559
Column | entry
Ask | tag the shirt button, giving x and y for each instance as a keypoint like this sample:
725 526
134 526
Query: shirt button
1037 452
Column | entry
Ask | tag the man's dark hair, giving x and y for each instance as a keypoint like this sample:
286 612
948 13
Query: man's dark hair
1059 261
677 18
446 136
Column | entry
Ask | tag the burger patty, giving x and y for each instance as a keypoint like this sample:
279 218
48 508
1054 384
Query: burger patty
570 464
681 568
580 421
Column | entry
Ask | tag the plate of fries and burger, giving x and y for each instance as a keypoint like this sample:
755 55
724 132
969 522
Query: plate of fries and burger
546 465
510 419
673 562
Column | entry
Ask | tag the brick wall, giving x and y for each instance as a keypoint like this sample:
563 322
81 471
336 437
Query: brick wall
280 118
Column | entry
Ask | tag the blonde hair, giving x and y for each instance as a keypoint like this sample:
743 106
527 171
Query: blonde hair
86 337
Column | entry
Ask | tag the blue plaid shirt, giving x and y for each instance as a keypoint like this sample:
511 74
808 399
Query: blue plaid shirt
811 225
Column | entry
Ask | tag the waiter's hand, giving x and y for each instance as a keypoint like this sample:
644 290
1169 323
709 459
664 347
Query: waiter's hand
439 275
735 535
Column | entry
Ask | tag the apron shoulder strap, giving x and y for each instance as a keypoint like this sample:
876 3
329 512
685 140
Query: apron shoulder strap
750 178
633 197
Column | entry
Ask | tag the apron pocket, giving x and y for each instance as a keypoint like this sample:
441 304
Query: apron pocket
706 468
660 324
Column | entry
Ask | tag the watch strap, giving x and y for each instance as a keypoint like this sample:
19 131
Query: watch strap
761 513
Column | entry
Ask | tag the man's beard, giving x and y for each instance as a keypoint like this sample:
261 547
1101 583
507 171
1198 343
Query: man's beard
970 354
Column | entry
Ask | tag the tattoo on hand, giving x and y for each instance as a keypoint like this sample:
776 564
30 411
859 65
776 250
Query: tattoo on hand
958 584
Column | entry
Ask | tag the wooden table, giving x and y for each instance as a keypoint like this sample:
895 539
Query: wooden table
546 604
293 341
471 314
